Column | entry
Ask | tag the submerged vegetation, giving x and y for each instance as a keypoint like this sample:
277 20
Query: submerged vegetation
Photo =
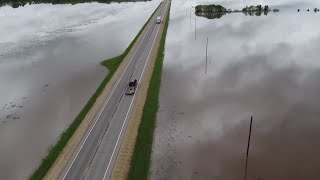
217 11
18 3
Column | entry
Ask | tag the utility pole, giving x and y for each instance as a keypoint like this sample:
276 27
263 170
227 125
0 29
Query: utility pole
190 17
206 56
195 28
245 173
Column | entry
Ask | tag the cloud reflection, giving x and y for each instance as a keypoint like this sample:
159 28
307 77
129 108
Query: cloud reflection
264 66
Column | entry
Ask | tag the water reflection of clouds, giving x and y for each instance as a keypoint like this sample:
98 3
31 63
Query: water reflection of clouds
54 68
237 35
282 40
44 22
263 66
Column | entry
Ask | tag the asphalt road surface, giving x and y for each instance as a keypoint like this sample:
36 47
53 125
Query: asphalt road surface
96 154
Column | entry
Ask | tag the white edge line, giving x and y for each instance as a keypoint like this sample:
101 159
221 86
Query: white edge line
104 106
131 104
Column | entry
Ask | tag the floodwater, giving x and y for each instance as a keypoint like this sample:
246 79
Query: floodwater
49 67
262 66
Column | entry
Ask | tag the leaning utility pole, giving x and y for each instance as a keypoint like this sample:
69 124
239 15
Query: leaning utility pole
245 173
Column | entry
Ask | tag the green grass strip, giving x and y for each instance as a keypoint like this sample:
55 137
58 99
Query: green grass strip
112 65
141 158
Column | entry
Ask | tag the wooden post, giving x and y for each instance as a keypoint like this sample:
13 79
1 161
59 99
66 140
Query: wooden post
195 28
190 17
206 56
245 173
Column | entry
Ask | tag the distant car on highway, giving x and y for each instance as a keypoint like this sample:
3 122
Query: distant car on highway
132 87
158 20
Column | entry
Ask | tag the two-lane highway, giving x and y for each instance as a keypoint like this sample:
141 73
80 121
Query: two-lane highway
95 156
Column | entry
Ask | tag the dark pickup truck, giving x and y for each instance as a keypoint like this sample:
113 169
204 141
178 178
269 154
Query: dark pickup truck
132 87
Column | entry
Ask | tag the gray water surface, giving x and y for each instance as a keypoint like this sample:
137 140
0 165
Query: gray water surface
49 68
266 67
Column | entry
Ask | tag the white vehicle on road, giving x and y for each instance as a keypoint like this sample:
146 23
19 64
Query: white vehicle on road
158 20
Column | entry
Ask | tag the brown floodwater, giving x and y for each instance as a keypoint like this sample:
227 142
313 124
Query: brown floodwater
262 66
49 67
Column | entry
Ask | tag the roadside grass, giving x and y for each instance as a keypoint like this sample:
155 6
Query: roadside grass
54 152
141 158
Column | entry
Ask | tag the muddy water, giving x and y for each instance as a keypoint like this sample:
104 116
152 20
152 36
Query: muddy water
266 67
49 67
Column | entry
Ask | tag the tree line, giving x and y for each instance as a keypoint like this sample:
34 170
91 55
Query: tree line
217 11
18 3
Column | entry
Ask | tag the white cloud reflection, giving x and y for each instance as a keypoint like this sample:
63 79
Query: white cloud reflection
266 66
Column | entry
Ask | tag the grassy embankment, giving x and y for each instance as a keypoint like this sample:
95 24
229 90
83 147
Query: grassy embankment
141 158
112 65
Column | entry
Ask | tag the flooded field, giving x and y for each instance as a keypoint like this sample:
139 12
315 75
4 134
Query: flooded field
49 67
262 66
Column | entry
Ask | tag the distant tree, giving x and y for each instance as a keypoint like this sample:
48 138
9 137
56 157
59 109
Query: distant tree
18 3
245 9
210 8
15 5
266 8
198 8
259 8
